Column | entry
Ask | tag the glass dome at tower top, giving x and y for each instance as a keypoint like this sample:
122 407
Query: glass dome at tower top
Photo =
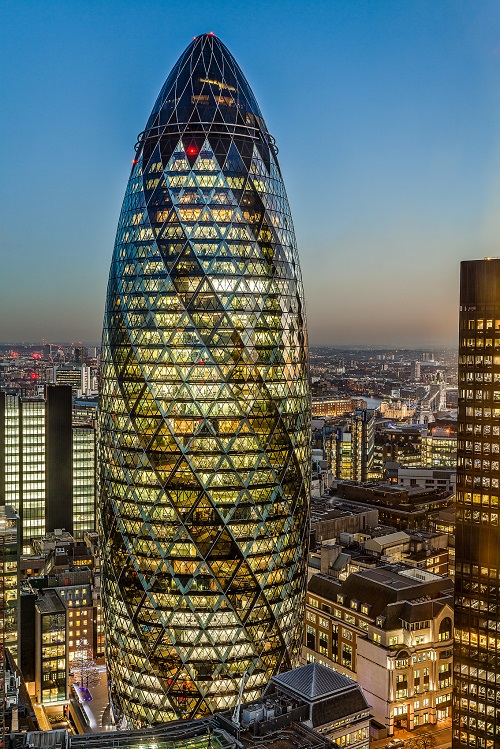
205 88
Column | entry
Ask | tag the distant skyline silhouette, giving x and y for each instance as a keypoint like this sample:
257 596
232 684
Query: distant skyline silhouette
386 116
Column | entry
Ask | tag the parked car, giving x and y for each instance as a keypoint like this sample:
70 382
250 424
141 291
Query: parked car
85 694
395 744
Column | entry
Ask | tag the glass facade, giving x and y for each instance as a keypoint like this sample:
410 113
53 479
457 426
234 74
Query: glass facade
205 409
350 448
48 463
22 461
33 468
9 579
11 451
51 678
476 708
439 451
84 479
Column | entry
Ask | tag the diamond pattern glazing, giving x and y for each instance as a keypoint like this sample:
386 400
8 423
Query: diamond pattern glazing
204 409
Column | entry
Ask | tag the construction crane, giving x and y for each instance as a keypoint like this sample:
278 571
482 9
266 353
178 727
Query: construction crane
236 714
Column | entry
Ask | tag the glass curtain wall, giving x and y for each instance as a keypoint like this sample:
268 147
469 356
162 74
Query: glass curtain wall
205 409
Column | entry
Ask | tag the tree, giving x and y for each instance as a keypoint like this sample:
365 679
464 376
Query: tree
422 741
84 667
412 743
428 741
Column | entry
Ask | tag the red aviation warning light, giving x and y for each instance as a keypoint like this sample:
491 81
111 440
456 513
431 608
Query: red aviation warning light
34 376
192 150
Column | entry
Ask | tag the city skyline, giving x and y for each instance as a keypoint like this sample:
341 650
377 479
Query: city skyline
400 183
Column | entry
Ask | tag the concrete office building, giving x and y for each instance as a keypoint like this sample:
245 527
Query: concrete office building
391 629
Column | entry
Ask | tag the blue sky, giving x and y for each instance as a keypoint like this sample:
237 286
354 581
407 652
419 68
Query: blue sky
386 115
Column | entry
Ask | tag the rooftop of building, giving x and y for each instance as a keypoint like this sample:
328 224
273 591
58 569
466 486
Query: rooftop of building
204 69
405 499
313 681
48 602
8 513
399 577
448 514
206 733
59 536
330 695
379 587
420 555
387 539
9 527
331 397
424 535
327 508
86 401
330 513
436 473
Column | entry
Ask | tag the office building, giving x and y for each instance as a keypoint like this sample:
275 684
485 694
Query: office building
426 478
476 709
401 507
401 445
85 410
205 412
43 646
74 587
415 371
331 405
35 459
350 447
84 465
84 478
391 629
335 705
439 448
80 377
47 464
9 579
415 446
68 374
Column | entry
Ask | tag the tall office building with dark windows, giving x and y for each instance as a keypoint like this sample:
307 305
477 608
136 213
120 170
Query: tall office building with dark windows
205 410
476 709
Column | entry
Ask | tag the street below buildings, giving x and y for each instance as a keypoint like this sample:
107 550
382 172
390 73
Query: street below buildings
441 731
97 709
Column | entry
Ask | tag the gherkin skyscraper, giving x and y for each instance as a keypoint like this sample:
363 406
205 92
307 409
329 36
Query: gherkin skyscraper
204 409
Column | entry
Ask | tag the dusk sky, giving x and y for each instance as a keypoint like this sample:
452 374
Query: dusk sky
387 118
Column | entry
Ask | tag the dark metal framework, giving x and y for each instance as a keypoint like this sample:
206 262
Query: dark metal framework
205 408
